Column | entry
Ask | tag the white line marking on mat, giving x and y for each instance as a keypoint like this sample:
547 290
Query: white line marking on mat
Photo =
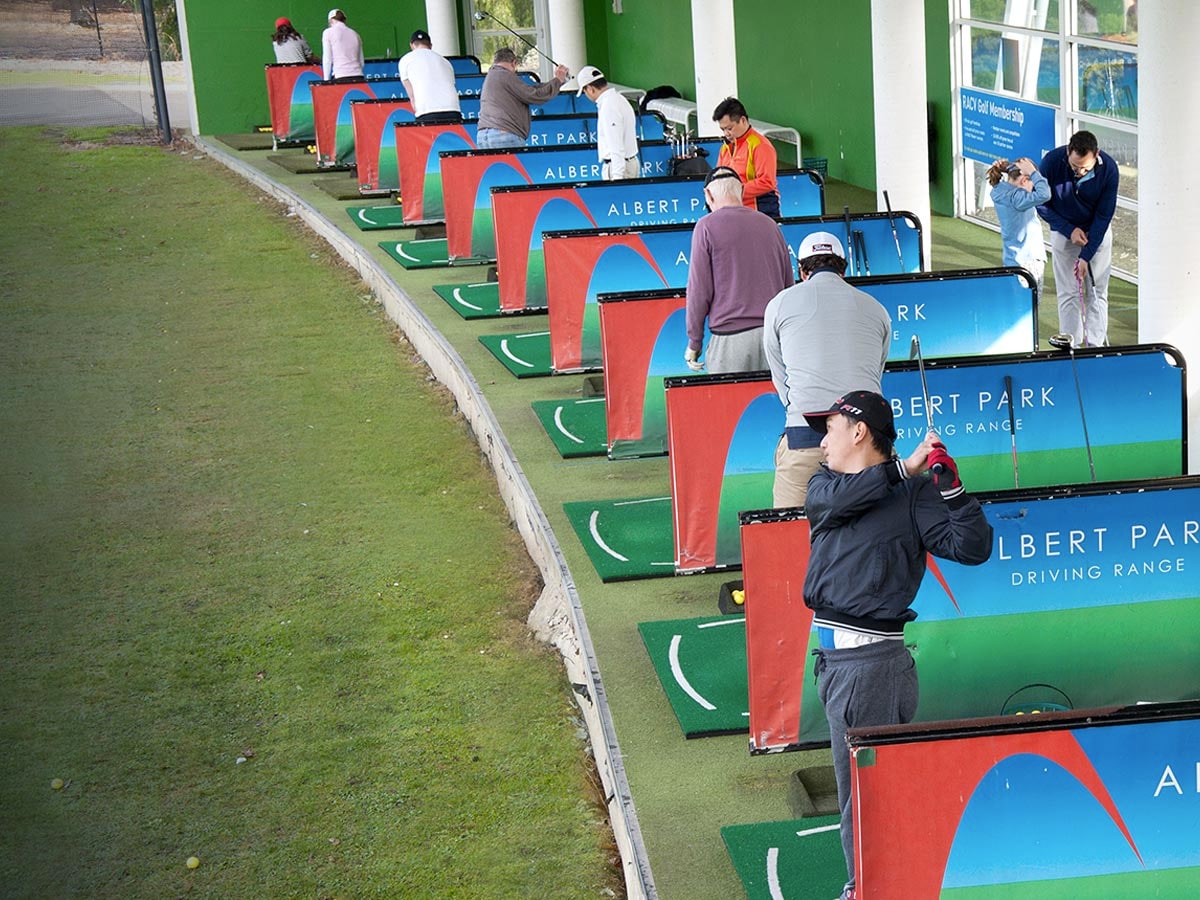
729 621
600 541
520 362
461 302
558 424
820 830
680 678
646 500
773 874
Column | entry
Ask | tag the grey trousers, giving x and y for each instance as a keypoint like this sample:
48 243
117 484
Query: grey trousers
862 686
741 352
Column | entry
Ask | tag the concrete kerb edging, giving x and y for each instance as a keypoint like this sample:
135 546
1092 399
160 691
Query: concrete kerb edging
557 617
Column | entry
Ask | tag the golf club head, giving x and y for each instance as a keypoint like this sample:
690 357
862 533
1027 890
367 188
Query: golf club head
478 16
1060 341
914 347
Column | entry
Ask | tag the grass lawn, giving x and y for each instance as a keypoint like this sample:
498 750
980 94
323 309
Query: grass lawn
261 603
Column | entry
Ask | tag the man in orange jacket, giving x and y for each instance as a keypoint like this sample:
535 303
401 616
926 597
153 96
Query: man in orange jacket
750 154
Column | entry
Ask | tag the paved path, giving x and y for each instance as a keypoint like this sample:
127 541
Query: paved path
48 97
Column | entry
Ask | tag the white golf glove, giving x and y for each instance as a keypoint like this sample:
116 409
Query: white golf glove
692 358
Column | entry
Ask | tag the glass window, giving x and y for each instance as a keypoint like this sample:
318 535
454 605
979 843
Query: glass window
1108 84
1110 20
1123 147
1042 15
1015 64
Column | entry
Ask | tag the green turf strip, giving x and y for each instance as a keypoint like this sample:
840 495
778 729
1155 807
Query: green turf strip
526 355
702 666
800 859
480 300
341 185
376 218
424 253
625 539
248 141
298 162
576 426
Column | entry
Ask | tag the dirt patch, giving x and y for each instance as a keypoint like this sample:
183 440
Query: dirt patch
34 30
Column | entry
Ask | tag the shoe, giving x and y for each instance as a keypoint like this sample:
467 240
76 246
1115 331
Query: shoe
848 893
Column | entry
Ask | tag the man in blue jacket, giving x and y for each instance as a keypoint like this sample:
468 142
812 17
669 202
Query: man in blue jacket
873 518
1083 197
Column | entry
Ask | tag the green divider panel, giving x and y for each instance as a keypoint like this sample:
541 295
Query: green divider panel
525 355
800 859
625 539
376 218
576 426
702 666
480 300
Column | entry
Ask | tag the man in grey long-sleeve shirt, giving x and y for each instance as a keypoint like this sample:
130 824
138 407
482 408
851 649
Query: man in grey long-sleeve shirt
822 338
505 99
739 261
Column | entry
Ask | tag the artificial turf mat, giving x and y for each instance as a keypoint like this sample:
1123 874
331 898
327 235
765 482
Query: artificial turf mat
339 186
626 539
376 218
800 859
701 664
525 355
298 162
577 426
425 253
247 141
480 300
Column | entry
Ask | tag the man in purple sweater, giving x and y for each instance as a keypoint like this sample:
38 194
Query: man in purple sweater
739 261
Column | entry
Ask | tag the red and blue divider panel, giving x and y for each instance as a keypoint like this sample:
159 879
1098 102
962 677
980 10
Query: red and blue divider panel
1095 803
722 430
418 161
469 176
999 314
580 265
1086 601
523 214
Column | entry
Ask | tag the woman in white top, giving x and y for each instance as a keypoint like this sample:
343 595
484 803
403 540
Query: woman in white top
290 46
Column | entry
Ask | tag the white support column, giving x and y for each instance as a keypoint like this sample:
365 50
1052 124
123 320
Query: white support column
567 44
715 60
901 136
441 18
1168 201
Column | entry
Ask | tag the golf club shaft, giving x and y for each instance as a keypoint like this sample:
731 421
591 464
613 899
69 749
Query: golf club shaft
479 14
1082 309
895 233
1012 429
915 347
1087 441
849 242
860 247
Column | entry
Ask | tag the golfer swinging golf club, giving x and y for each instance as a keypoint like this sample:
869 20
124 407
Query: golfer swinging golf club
873 517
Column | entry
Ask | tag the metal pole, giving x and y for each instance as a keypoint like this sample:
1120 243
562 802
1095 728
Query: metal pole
96 20
156 76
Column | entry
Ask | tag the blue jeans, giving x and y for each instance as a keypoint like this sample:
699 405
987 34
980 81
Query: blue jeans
495 139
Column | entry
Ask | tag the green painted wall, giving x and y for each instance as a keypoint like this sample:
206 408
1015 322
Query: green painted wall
649 44
803 64
230 43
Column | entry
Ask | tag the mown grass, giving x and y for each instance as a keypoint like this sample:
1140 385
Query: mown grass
238 522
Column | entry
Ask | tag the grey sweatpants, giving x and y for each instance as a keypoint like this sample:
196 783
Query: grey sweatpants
862 686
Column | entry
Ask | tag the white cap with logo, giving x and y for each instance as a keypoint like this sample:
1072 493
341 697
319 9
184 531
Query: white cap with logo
820 243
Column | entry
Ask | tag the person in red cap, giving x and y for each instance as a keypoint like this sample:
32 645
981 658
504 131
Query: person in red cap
873 518
290 45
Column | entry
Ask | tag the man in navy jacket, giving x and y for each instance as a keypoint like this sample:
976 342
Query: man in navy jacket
1083 197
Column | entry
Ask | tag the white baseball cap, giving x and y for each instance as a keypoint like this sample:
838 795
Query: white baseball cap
586 76
820 243
333 12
